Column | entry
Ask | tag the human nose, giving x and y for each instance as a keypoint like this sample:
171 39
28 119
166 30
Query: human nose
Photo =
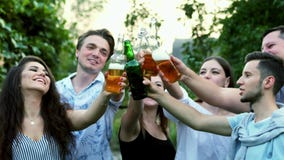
96 52
206 75
42 73
264 49
240 81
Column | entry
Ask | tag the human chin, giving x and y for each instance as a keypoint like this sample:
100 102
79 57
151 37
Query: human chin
149 101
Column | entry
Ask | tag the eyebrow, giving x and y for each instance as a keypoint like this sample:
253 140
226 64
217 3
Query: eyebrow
44 69
102 48
219 69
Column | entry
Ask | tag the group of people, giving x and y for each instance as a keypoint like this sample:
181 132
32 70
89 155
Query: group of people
73 117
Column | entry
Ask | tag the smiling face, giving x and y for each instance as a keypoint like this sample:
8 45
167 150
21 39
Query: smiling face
249 82
213 71
93 54
35 77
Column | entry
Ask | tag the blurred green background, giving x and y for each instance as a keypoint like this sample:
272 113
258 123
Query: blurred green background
37 27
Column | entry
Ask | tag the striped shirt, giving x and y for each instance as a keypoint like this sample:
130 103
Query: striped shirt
24 148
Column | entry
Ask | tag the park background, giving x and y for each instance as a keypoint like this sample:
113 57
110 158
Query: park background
191 29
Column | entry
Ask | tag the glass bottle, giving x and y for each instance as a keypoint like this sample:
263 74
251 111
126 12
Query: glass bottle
134 73
116 68
149 67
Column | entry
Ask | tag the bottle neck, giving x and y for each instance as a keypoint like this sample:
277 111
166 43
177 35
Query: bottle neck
128 51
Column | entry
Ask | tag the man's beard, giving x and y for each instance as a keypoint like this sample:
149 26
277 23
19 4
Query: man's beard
252 96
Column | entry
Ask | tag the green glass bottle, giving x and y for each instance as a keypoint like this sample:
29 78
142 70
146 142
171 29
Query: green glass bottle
134 73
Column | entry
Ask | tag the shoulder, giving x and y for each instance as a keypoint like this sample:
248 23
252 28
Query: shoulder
237 119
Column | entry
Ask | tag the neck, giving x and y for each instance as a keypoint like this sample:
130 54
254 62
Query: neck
82 80
149 115
264 108
32 106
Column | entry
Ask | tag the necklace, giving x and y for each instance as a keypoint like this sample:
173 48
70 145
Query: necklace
32 122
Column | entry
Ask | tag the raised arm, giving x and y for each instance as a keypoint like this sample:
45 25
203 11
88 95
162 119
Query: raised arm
130 126
81 119
174 89
188 115
226 98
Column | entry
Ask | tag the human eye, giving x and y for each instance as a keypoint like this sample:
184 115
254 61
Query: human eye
90 46
247 75
104 53
215 72
269 46
34 69
159 85
202 72
46 73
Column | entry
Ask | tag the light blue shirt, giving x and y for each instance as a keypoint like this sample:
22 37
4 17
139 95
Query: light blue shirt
198 145
262 140
92 143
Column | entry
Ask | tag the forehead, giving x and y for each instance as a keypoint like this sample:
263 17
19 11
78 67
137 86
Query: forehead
251 66
156 79
211 64
95 39
34 64
272 36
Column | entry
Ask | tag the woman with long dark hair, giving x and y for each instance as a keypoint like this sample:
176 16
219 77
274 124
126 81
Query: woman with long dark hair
34 124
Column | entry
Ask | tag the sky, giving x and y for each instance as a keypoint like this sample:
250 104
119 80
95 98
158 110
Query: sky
113 15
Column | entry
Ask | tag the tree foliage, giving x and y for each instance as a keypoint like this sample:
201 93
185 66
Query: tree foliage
243 28
241 31
200 46
139 16
31 27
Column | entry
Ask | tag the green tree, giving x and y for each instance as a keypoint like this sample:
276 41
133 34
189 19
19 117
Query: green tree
200 46
243 27
241 30
31 27
139 16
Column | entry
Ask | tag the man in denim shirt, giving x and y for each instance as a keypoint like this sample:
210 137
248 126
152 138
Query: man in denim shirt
80 89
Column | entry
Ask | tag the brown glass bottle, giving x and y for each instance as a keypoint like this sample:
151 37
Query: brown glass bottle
134 73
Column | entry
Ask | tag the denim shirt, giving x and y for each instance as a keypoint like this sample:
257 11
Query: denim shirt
93 141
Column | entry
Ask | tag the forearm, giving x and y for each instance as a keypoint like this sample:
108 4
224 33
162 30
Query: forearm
130 125
194 119
174 90
132 115
226 98
201 87
179 110
118 97
83 118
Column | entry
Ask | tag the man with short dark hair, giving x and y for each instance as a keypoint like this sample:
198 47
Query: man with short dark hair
257 135
228 98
